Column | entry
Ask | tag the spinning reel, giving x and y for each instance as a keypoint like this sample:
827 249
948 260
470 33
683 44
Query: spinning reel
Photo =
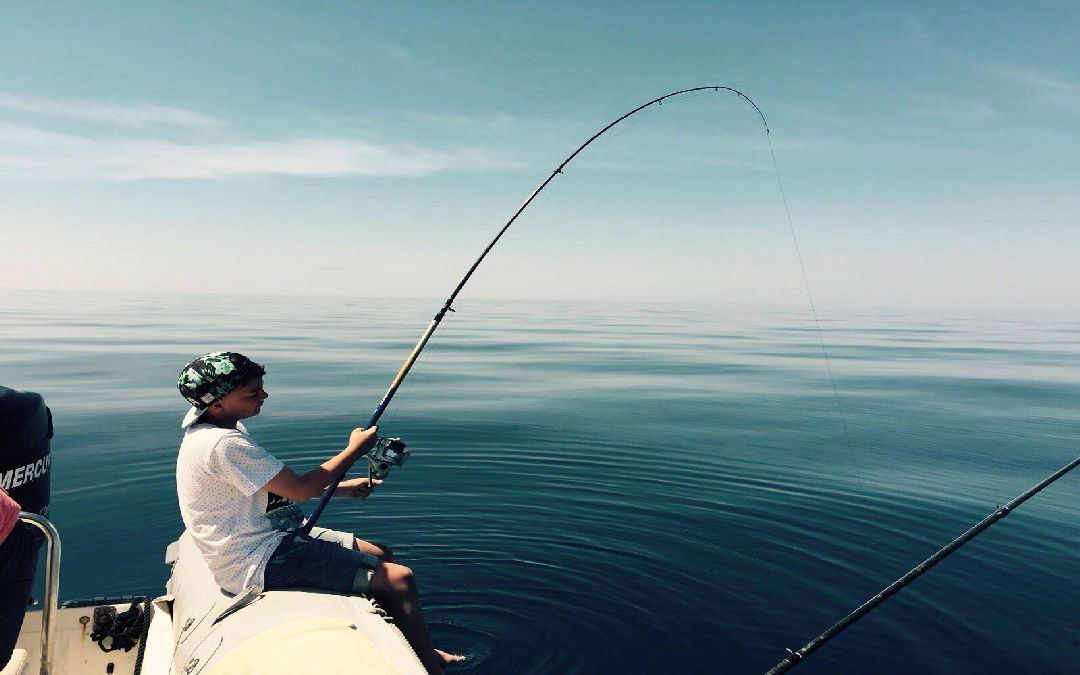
387 453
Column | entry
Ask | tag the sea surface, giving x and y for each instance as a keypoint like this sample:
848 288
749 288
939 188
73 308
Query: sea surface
615 488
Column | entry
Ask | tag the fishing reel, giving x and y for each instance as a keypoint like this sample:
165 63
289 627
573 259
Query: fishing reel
387 453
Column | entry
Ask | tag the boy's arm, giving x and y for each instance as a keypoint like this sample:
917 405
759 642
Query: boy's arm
291 485
357 488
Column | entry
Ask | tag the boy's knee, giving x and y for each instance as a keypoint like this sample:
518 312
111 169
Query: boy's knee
399 578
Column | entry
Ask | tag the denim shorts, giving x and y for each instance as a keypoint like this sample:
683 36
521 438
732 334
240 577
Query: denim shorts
325 559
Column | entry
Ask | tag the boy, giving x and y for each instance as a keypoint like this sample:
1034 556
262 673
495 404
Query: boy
239 503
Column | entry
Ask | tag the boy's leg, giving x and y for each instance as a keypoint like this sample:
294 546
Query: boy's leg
391 584
379 550
394 586
329 561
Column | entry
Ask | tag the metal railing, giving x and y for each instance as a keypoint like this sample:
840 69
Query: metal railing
52 583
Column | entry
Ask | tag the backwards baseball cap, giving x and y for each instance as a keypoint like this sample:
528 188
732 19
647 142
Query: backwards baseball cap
211 376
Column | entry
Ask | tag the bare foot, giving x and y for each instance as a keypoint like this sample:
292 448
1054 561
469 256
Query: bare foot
448 658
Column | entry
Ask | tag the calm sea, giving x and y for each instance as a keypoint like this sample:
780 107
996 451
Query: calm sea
605 488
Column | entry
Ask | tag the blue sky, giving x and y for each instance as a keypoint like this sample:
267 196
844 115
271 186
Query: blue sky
929 153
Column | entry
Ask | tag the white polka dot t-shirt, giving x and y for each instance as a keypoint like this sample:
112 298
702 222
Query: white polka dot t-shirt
220 479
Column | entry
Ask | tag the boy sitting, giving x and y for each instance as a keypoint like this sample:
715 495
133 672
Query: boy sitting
239 503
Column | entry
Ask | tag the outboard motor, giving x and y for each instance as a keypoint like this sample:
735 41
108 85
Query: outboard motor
25 459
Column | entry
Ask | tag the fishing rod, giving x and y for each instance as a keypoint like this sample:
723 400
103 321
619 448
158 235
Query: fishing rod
796 657
391 453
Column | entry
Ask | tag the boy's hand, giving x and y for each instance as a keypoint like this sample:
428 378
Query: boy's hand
361 440
357 488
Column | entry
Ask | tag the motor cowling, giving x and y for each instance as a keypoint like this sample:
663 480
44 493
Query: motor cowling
26 429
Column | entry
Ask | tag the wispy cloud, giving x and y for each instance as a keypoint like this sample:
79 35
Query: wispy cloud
392 50
1038 78
1048 86
30 152
381 49
952 109
145 141
136 114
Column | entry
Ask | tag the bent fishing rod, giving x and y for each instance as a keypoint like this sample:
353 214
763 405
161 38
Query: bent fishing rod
390 450
795 657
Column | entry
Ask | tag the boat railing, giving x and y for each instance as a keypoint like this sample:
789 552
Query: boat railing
52 583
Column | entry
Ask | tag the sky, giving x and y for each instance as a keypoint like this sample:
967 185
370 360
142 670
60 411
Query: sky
929 153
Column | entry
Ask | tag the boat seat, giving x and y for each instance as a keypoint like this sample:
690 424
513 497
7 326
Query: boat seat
17 664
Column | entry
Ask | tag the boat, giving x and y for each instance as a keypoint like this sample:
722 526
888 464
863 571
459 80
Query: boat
195 628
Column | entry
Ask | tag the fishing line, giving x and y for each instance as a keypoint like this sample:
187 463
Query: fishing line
813 312
448 305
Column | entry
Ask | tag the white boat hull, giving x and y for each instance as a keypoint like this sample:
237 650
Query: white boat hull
291 631
197 629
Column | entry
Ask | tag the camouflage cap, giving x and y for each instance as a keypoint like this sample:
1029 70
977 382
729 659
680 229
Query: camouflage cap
211 376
